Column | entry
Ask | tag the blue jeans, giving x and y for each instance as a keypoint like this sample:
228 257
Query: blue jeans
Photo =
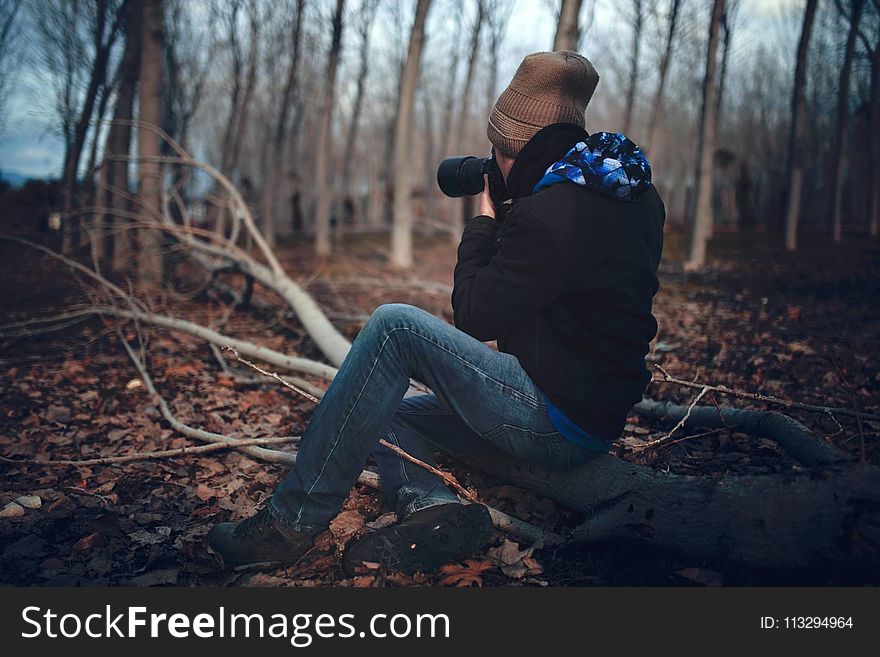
483 401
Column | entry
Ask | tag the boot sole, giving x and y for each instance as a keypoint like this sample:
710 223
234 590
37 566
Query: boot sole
409 549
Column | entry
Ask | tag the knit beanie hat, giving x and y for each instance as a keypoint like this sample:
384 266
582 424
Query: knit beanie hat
547 88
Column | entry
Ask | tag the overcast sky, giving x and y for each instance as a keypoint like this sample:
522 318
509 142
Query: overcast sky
28 146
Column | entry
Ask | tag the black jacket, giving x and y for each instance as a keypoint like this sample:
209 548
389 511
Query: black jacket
566 284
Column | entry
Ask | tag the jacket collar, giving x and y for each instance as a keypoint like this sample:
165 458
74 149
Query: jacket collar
547 146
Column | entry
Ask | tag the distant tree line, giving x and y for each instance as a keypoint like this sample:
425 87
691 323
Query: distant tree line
331 115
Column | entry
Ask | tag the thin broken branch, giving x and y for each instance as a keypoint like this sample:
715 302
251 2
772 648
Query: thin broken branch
768 399
159 454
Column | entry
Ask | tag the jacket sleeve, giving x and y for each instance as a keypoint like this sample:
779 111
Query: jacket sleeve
493 293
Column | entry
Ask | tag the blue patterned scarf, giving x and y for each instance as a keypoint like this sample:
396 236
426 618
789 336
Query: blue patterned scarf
606 162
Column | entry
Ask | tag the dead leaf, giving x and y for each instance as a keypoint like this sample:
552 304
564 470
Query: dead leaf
150 538
89 543
30 501
186 369
345 525
514 562
468 574
12 510
205 492
385 520
57 414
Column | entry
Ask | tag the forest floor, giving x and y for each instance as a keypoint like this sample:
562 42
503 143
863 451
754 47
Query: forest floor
804 327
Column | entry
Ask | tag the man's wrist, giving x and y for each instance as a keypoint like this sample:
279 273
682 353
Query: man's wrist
481 220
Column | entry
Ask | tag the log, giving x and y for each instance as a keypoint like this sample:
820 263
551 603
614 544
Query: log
793 437
826 518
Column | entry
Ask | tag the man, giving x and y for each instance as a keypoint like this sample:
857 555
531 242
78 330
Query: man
564 284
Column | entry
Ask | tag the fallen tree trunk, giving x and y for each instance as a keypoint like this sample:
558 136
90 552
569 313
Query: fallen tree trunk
793 437
824 518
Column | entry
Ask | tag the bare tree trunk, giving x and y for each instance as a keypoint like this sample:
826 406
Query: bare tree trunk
665 60
798 130
568 29
874 146
149 170
235 102
401 231
464 114
324 193
838 148
271 179
447 141
705 170
241 123
105 31
638 19
119 141
367 16
726 27
97 238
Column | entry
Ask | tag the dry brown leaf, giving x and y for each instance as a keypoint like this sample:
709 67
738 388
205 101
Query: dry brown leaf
205 492
345 525
514 562
468 574
12 510
90 542
185 369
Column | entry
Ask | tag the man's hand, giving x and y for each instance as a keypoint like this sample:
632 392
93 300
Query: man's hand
487 207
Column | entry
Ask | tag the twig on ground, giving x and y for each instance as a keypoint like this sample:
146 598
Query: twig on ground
687 415
665 442
160 454
769 399
852 394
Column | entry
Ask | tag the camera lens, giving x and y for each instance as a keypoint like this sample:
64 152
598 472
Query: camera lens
461 176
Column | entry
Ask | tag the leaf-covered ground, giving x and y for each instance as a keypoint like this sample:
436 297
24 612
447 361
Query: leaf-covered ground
804 327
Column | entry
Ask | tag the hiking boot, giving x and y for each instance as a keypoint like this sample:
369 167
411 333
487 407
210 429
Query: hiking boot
258 541
425 540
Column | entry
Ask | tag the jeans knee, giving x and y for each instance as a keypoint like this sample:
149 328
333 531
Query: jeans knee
392 315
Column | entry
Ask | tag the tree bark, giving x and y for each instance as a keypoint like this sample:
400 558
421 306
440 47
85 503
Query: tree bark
657 106
825 518
705 170
874 146
105 32
367 17
150 171
119 142
838 148
794 177
464 114
241 123
568 29
638 21
324 192
272 178
401 231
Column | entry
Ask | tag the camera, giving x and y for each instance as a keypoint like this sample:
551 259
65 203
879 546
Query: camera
463 176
